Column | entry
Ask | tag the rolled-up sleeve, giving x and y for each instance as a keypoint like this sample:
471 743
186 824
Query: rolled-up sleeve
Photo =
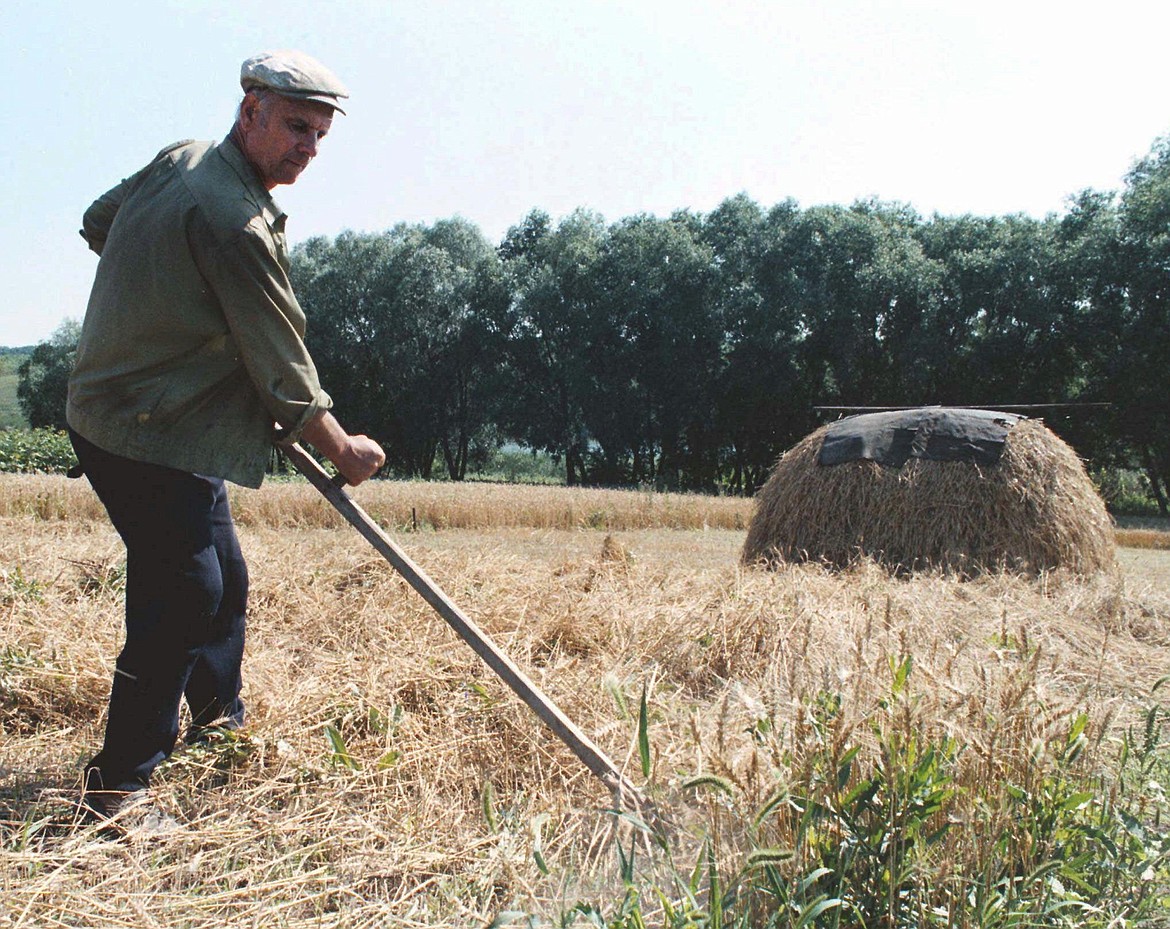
268 326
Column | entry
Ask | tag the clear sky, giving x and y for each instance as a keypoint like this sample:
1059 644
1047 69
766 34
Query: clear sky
490 108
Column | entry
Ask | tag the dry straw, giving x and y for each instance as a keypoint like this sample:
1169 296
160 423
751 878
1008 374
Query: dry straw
291 832
414 506
1034 511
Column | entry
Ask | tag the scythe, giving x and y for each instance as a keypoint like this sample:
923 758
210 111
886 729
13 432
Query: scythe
625 792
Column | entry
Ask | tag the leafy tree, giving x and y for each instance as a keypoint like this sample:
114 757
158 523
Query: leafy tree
1091 277
852 285
471 299
656 374
43 377
401 326
550 331
1008 314
899 285
345 289
1025 351
963 249
762 404
1139 366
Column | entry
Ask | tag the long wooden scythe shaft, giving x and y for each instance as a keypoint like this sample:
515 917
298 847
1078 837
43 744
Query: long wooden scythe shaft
625 791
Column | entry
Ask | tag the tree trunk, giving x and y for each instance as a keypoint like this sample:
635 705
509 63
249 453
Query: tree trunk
572 475
1155 479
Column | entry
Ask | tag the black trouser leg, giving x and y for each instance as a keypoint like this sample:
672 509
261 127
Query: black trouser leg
213 686
186 590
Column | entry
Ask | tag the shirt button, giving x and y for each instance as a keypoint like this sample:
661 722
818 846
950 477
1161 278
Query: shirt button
142 418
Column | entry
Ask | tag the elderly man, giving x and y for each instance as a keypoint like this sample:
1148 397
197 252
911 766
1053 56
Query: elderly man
191 363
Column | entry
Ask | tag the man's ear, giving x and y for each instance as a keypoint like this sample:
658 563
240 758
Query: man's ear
249 110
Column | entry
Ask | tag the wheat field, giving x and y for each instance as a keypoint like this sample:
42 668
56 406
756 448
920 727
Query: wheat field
386 778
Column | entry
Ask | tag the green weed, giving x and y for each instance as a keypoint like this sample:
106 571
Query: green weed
100 578
17 587
881 825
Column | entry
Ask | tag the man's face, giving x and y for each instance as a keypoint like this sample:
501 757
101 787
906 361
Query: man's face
281 135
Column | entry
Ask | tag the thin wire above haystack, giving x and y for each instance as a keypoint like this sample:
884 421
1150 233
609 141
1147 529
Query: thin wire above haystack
1033 510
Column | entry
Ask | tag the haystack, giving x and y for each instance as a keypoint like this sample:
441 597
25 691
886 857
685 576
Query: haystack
1026 506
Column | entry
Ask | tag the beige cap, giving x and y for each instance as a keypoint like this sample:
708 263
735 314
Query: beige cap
293 74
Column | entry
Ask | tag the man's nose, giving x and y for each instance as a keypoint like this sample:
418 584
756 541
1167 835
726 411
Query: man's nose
309 145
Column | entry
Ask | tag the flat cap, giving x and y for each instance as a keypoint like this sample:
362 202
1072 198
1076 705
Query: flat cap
293 74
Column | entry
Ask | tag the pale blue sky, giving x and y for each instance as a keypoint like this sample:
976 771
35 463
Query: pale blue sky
489 109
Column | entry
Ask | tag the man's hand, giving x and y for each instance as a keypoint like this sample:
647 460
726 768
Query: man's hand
357 457
362 458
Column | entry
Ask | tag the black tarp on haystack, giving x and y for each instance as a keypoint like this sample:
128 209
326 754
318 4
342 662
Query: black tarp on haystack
934 433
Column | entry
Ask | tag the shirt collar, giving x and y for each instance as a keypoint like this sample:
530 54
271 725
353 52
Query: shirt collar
230 152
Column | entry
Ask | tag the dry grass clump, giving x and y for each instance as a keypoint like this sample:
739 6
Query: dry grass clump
1034 511
387 778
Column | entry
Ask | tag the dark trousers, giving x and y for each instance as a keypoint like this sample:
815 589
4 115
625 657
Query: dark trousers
186 592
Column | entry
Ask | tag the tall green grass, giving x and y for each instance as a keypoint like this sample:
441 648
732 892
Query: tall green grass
883 824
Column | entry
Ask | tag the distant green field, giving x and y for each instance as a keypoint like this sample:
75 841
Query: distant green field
10 415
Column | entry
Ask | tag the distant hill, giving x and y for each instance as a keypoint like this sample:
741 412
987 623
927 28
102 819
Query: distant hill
10 360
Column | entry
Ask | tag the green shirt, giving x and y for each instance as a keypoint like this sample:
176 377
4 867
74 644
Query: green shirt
192 347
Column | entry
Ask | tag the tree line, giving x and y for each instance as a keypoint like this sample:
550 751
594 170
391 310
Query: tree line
689 351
